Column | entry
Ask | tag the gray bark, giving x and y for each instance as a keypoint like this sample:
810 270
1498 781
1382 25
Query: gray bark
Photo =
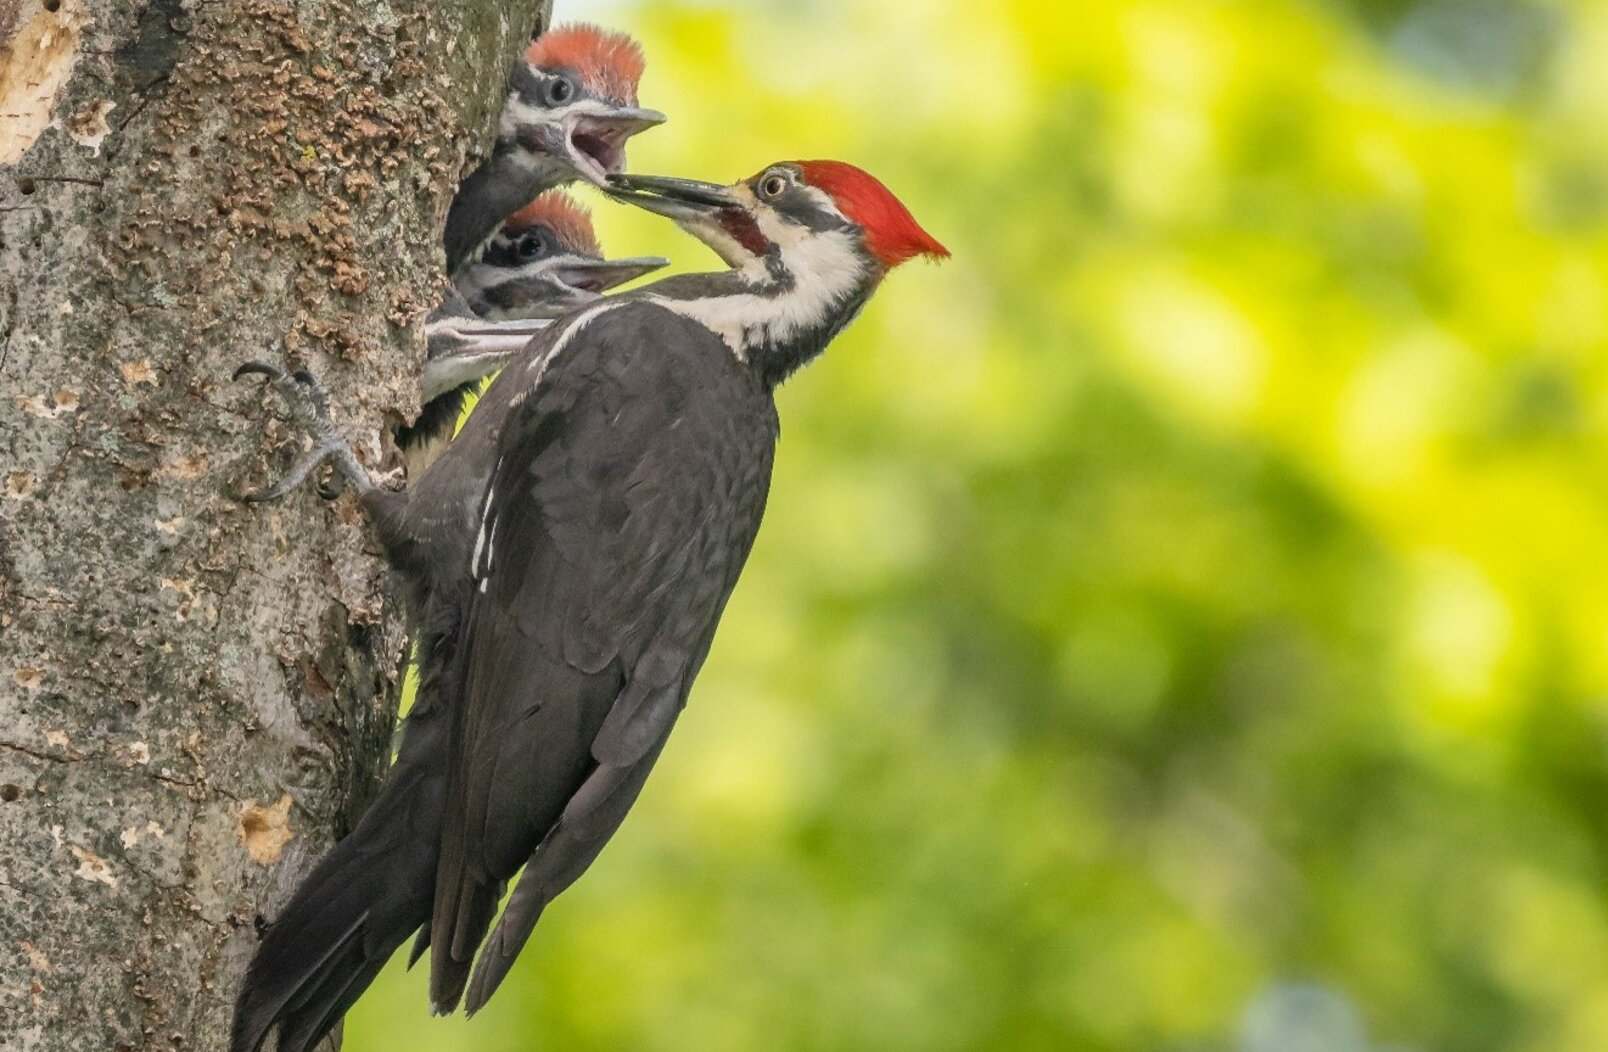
197 695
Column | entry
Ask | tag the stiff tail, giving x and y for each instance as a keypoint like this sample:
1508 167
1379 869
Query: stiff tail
361 902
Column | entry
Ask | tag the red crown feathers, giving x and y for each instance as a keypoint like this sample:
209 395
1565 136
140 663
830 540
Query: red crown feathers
891 232
607 64
560 213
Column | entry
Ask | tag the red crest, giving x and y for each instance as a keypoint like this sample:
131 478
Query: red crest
607 64
891 232
560 213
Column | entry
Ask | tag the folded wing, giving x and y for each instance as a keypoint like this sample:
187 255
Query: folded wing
629 488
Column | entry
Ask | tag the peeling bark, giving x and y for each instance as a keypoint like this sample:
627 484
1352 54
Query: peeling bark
196 695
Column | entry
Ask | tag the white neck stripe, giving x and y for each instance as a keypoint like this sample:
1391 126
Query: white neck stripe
826 269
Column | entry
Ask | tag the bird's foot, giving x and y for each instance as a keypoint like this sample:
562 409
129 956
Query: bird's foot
309 404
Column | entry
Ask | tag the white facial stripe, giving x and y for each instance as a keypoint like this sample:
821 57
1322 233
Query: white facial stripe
443 374
517 113
729 249
826 269
823 200
707 228
483 275
783 232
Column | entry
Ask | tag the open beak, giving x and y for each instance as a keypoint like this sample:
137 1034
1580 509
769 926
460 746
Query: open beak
633 119
595 140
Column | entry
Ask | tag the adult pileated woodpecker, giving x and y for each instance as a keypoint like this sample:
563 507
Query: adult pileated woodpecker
570 555
543 262
572 104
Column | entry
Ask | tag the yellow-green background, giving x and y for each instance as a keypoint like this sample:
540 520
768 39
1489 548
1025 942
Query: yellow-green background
1181 622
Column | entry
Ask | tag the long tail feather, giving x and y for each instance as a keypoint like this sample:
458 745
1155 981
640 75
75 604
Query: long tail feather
361 902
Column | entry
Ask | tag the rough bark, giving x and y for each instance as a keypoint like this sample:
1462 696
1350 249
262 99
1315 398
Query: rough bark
196 695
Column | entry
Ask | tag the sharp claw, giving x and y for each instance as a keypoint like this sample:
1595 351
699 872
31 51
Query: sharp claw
309 404
272 372
272 493
265 496
298 474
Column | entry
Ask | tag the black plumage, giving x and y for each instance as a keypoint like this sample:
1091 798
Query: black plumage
630 490
543 263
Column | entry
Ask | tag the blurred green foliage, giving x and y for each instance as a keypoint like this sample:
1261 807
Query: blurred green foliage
1181 622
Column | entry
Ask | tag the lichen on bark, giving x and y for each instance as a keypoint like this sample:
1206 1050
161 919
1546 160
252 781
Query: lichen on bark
196 695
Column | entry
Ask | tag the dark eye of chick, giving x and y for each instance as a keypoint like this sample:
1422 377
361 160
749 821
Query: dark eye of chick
529 247
560 90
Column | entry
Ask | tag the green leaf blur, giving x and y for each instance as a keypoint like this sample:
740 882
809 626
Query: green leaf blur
1181 621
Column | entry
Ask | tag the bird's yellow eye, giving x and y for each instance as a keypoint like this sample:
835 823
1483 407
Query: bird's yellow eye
772 185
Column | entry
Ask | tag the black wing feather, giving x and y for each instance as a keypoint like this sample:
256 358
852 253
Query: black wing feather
629 488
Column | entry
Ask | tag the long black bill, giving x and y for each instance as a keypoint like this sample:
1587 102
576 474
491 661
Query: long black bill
676 198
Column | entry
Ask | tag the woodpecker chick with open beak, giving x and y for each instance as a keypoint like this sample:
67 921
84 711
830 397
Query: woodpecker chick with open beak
571 553
544 262
572 104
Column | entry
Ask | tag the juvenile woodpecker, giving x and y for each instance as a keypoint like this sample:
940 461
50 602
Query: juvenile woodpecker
572 104
543 262
570 555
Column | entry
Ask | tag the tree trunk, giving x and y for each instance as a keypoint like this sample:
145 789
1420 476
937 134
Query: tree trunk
197 695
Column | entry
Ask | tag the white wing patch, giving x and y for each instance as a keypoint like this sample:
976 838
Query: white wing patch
482 539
